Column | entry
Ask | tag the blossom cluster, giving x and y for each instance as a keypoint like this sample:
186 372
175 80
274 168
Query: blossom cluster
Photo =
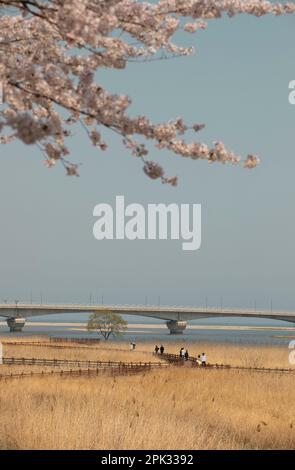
50 51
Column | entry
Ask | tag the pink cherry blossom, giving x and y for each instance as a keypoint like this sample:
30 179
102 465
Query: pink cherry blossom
50 51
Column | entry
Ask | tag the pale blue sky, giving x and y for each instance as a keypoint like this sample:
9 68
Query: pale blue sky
237 84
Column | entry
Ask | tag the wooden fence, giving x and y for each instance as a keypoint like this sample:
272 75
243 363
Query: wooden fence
48 344
82 367
179 361
75 373
55 339
109 368
23 361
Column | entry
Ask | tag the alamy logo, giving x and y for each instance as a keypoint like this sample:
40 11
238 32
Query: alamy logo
292 93
158 221
292 353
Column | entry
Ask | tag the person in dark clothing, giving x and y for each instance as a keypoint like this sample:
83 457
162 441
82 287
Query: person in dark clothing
157 349
186 355
181 352
162 349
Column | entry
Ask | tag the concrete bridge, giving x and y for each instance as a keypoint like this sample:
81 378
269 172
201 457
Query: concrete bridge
176 317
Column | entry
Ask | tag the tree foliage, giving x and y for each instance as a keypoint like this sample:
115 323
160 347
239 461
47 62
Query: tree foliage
107 324
51 51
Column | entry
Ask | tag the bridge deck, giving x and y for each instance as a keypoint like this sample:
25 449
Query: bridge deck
22 310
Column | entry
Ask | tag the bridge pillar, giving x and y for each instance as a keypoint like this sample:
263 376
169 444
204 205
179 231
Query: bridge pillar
176 327
16 324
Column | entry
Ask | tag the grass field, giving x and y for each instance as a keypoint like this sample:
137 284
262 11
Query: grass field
175 408
101 352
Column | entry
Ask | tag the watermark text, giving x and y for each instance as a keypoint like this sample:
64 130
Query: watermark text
156 222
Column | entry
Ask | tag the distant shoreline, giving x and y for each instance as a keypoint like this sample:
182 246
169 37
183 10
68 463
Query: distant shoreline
131 326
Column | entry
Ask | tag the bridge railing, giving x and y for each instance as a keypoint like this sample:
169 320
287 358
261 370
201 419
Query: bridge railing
141 308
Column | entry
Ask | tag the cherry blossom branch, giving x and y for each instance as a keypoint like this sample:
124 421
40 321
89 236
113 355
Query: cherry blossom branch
43 72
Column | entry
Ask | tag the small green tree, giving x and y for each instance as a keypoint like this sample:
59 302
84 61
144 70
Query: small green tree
107 324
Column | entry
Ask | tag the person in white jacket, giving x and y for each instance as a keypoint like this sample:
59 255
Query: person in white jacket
203 359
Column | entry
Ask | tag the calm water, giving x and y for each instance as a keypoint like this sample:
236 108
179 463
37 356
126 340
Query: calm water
142 332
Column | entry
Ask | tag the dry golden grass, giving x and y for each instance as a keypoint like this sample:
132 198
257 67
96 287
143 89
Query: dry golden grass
168 409
165 409
233 354
18 369
24 339
71 351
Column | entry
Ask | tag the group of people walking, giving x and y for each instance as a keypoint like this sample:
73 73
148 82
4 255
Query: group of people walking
201 359
184 355
161 349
